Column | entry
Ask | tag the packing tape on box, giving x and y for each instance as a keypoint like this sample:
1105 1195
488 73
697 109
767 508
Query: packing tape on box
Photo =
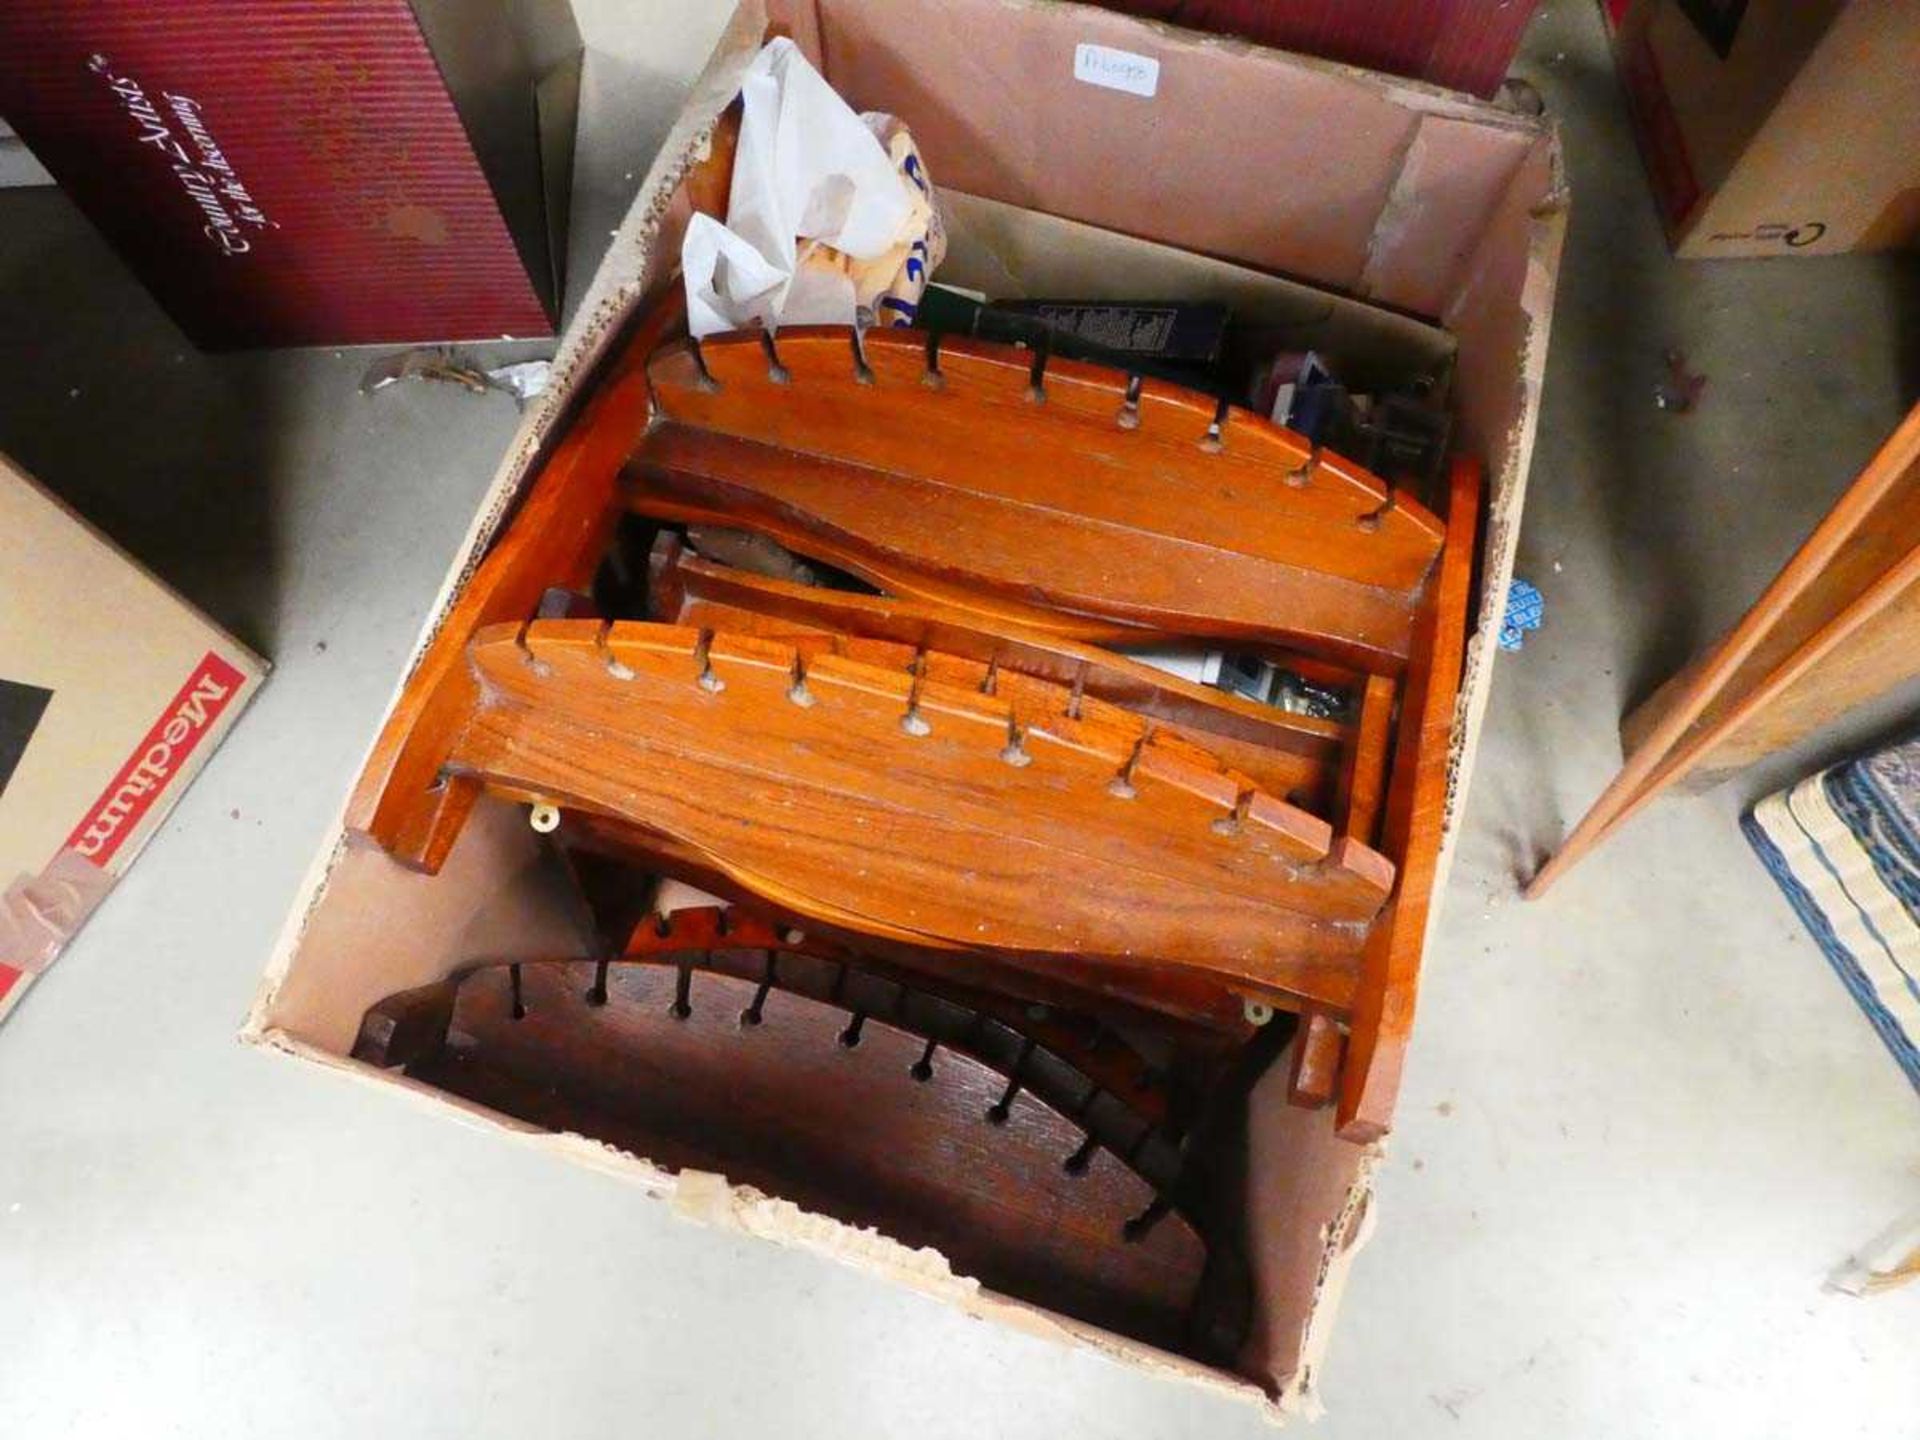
40 913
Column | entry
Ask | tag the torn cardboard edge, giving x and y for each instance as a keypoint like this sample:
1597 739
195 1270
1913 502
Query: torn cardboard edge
1506 504
707 1199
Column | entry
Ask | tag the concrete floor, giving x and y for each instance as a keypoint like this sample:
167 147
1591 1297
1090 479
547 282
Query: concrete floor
1642 1119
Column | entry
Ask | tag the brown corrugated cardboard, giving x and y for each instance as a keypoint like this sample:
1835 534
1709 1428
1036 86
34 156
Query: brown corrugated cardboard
1775 127
113 693
1398 193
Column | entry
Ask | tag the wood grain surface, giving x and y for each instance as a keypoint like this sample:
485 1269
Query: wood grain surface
938 835
1412 827
1195 1010
402 799
1289 754
893 528
1859 564
1185 468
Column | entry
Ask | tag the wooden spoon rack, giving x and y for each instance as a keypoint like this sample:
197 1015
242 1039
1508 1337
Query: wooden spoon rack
1067 909
1054 1105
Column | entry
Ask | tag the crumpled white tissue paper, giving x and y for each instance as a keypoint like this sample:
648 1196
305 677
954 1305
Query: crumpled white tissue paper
807 170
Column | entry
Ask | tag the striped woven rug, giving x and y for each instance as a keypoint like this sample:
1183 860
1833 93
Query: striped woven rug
1844 844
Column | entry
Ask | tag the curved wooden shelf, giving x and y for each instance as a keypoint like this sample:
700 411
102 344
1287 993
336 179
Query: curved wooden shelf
1055 435
1075 488
1091 1078
919 809
981 606
1204 1012
1077 1062
854 1074
908 534
1287 753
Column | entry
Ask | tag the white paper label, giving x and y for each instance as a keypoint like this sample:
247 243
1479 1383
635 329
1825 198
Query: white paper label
1116 69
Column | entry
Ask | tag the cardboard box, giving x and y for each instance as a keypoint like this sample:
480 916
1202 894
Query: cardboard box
397 172
1421 200
1463 44
1775 127
113 693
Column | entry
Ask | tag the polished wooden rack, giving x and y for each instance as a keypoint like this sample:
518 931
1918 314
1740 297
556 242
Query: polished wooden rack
945 811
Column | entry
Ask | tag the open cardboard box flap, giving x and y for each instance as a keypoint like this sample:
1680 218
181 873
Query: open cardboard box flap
114 693
1443 209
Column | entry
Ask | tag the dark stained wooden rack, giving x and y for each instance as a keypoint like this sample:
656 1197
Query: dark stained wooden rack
1070 1192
